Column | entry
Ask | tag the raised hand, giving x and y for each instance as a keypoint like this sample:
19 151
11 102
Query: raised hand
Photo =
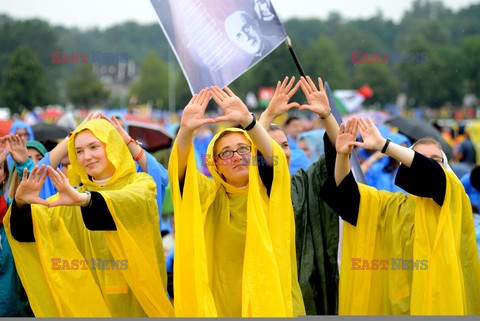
67 194
118 126
280 100
4 149
30 186
346 137
234 110
317 98
89 116
17 148
372 139
193 113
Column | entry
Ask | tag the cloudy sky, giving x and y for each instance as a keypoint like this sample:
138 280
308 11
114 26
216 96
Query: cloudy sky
104 13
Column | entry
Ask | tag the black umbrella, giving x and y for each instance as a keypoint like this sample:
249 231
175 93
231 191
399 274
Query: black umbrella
415 129
44 132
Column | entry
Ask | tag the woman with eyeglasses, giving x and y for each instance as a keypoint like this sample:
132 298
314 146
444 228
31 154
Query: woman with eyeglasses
235 233
404 254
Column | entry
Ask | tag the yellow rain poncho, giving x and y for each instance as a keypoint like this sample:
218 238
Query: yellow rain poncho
68 270
235 247
408 255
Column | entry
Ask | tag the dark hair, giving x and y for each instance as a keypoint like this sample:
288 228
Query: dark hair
475 178
290 119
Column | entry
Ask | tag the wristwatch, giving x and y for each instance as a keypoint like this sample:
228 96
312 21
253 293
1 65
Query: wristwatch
252 124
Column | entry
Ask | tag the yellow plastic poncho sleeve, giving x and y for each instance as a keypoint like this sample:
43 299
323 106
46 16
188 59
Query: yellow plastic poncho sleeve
71 271
269 281
407 255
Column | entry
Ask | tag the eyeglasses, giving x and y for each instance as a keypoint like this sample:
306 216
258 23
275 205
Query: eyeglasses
229 153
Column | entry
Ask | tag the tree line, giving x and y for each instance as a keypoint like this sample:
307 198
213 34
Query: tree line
449 40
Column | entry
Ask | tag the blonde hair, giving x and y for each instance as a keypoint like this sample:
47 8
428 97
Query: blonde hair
428 141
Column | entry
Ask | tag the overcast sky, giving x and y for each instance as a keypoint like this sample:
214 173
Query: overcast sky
104 13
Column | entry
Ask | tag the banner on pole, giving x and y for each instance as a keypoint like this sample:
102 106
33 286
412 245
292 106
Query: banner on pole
217 41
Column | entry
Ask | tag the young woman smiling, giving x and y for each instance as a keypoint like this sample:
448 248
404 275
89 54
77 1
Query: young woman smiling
112 217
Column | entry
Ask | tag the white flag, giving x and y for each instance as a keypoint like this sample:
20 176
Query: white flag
216 41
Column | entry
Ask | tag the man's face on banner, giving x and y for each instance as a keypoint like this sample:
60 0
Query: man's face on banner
244 32
263 9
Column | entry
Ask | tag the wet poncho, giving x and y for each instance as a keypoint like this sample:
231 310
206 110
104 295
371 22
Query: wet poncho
235 247
408 255
72 271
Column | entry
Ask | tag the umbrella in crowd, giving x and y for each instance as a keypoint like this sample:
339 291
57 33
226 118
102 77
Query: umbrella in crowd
44 131
415 129
5 127
152 136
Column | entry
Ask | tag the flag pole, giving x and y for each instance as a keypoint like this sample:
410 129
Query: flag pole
288 42
354 161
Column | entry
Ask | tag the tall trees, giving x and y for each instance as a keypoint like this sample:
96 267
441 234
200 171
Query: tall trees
24 83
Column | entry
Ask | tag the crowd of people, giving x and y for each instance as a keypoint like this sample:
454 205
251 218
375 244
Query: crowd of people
266 221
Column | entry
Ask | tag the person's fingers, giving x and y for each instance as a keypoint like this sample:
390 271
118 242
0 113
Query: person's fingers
12 141
38 200
197 97
305 86
202 97
191 100
279 84
62 176
33 174
361 125
37 177
303 107
293 105
39 172
56 180
371 123
284 82
311 83
341 129
355 128
290 84
116 122
219 119
349 125
358 144
207 121
102 116
215 91
364 123
57 203
320 84
220 92
208 95
90 116
229 91
24 174
293 90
